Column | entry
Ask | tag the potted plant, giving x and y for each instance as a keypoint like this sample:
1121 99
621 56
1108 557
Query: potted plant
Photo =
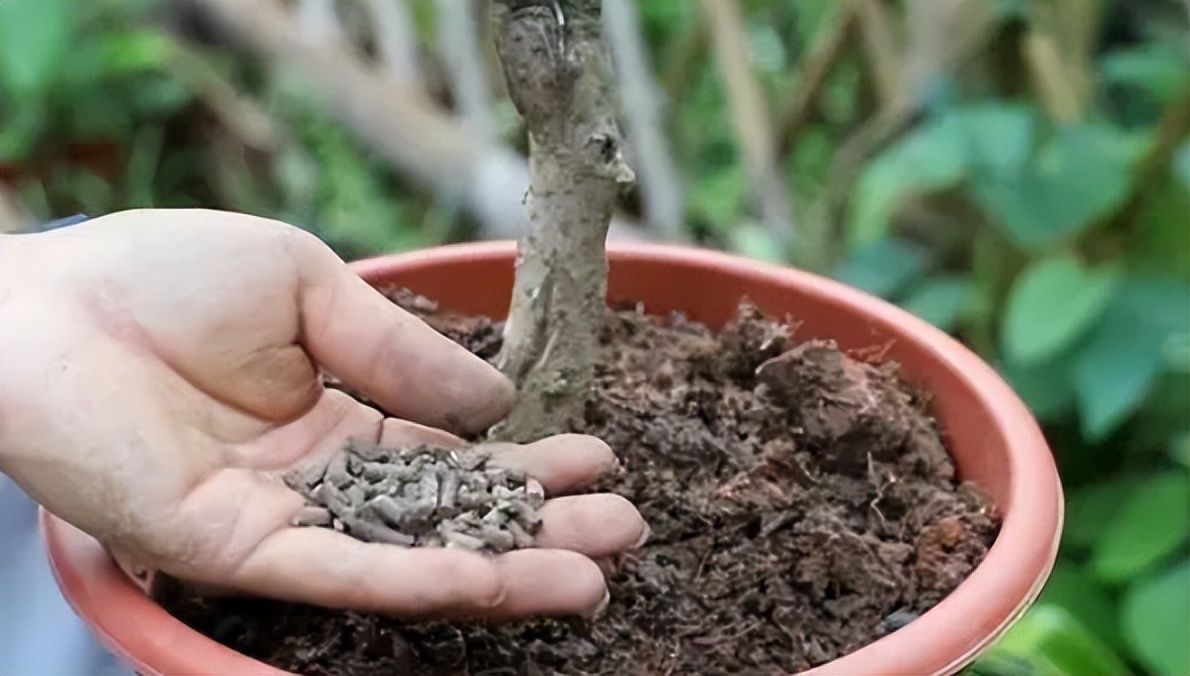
819 416
990 434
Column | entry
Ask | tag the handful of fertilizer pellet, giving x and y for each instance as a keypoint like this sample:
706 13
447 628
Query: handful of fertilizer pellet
421 497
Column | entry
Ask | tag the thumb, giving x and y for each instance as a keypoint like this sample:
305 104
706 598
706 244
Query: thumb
389 355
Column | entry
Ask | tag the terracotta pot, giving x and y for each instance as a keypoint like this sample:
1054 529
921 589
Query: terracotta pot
991 435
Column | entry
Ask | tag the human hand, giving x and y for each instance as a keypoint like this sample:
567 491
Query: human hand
159 372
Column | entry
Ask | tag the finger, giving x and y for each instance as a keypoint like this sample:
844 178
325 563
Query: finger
321 567
561 463
597 525
391 356
550 582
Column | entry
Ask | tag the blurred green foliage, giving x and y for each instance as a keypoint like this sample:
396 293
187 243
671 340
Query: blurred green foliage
1059 249
101 110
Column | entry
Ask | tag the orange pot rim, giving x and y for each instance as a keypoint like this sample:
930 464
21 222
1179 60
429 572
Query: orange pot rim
942 640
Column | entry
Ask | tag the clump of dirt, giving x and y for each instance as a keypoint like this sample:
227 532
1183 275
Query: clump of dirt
801 502
421 497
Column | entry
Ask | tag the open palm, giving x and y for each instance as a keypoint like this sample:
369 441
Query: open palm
159 372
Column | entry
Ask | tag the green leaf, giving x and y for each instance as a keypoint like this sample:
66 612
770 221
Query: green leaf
144 162
158 95
809 16
927 159
754 241
1045 387
998 663
1161 302
1162 420
663 19
1150 524
810 158
997 136
766 48
135 51
1051 304
356 210
1113 375
1138 337
1179 449
939 300
719 197
1155 618
1160 69
1088 509
1071 588
106 116
883 267
1078 176
119 13
21 131
1165 238
35 37
1054 643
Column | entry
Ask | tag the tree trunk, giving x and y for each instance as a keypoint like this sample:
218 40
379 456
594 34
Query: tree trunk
556 69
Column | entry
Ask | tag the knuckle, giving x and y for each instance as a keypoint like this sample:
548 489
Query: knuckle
490 588
484 585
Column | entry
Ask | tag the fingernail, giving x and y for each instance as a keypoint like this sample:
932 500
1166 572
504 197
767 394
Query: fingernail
602 607
644 537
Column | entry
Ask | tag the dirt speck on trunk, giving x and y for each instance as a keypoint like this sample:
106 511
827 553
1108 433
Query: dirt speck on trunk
801 502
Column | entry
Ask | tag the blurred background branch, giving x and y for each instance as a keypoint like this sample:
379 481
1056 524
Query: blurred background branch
884 50
643 106
396 39
751 119
830 45
319 22
393 117
458 38
398 121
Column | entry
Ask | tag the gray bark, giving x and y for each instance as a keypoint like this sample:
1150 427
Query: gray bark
751 119
556 69
396 39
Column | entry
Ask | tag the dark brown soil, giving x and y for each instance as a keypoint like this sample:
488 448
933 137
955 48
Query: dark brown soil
801 502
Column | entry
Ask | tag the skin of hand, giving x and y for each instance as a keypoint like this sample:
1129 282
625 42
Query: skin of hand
159 372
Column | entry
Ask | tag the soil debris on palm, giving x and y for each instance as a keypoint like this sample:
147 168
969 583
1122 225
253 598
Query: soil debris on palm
801 501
